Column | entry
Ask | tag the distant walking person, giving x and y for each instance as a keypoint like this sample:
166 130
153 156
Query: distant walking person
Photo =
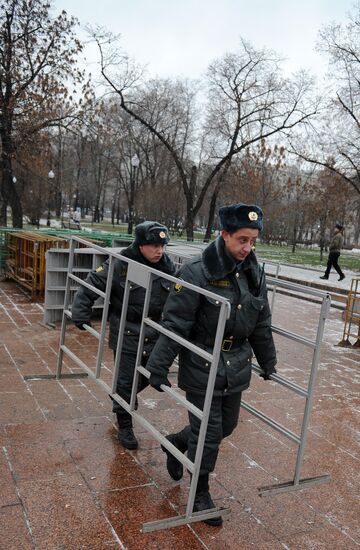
334 253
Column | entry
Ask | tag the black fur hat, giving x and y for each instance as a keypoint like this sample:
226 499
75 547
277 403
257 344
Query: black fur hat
151 233
236 216
339 226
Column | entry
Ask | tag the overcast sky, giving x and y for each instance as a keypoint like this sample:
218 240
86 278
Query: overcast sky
181 37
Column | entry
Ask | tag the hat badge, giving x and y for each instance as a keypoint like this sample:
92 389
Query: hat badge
253 216
162 234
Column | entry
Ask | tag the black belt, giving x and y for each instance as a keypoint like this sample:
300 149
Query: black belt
226 345
230 343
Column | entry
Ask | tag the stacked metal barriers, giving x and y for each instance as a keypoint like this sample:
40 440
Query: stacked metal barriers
144 276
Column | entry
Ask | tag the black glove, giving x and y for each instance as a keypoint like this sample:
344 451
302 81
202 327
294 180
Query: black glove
267 373
156 380
80 324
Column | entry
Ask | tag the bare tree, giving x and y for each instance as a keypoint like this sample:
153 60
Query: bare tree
335 142
37 55
247 101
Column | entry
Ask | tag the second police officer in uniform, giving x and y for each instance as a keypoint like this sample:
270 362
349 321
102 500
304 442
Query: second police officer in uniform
228 266
148 248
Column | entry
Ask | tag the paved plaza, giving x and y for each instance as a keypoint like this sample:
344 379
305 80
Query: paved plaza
67 484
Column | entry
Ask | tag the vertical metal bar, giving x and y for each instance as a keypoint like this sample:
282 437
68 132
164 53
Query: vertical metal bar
104 316
120 340
347 312
274 288
141 342
223 315
325 306
66 306
352 298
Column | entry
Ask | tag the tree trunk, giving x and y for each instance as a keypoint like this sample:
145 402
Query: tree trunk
189 222
211 215
3 208
10 195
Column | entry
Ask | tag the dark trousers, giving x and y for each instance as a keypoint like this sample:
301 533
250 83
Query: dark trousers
124 386
223 419
333 262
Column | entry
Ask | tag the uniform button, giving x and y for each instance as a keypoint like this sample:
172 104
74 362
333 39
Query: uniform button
237 275
144 352
128 331
217 302
225 390
130 286
146 339
206 364
231 337
239 306
228 362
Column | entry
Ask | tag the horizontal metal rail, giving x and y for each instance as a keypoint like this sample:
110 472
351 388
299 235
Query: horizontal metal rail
171 391
283 382
84 283
293 336
88 328
192 347
270 422
295 287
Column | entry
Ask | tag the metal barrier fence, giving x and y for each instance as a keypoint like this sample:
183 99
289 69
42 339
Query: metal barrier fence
144 276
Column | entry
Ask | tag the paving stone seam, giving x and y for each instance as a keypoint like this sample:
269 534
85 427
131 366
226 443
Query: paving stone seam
21 503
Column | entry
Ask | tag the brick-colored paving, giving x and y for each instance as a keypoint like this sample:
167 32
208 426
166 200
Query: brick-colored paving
66 483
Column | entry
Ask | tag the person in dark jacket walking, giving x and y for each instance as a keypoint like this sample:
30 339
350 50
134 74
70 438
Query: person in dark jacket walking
334 253
148 248
228 266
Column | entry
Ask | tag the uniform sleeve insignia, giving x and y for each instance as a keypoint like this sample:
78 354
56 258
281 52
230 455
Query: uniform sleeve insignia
98 269
253 216
178 287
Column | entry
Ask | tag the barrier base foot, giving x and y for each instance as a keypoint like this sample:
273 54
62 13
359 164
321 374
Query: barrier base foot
344 344
292 486
357 344
183 520
53 376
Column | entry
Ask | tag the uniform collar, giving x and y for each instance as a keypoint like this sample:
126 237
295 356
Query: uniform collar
217 264
165 265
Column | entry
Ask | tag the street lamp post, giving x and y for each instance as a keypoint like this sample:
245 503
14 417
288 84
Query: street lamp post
135 162
51 176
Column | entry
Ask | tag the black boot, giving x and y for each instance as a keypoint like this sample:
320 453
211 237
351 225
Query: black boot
180 441
127 438
203 500
324 277
125 434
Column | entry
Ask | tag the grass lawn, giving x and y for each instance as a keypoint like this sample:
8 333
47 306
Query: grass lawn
305 257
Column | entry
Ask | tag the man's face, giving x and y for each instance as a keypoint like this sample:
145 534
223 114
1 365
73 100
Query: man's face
240 243
152 252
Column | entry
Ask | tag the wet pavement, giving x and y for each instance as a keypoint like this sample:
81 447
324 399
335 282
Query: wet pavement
66 483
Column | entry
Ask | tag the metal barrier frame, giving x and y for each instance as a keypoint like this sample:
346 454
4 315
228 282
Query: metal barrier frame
296 483
144 277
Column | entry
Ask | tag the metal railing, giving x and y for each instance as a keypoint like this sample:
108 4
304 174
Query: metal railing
144 276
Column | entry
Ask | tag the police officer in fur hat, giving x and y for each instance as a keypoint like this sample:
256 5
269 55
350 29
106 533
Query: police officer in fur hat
228 266
148 248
